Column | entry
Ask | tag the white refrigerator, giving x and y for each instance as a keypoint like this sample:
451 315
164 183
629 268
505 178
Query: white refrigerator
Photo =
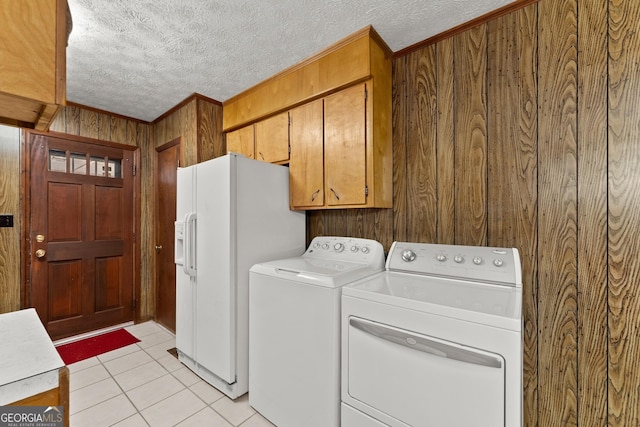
232 212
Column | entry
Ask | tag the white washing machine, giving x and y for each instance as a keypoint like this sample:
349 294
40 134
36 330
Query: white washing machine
294 329
434 340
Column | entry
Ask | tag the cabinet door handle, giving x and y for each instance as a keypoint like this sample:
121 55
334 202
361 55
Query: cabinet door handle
261 156
335 194
315 194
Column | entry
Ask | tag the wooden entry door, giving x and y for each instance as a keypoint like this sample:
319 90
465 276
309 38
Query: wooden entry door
168 162
81 234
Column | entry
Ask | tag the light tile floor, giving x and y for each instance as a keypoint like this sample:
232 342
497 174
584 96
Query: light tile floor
144 385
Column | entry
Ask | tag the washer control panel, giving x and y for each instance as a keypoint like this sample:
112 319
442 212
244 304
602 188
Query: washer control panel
478 263
345 248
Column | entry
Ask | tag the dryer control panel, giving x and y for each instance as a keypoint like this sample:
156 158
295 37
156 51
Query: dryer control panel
476 263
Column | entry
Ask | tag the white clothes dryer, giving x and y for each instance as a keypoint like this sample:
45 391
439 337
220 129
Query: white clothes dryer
434 340
294 329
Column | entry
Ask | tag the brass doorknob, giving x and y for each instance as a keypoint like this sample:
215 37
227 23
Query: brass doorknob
40 253
158 248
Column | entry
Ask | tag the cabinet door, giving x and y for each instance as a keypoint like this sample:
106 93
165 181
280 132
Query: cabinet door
345 147
272 139
241 142
306 184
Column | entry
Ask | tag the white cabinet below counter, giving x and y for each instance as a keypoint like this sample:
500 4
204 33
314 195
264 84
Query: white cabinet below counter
32 372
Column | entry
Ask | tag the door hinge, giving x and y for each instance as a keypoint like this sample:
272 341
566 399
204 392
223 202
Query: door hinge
366 191
135 170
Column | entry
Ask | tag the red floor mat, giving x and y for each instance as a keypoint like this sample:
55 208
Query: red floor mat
93 346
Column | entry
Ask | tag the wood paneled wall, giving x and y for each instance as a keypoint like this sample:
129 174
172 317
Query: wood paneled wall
197 121
10 205
524 132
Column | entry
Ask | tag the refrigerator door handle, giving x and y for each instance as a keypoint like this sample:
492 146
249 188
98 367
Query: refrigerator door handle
189 265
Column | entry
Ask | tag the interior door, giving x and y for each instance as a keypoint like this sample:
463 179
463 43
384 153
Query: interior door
168 162
81 234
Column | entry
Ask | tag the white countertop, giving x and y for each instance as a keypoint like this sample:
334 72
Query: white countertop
29 362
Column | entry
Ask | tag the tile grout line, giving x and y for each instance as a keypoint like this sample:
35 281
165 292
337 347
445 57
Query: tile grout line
166 371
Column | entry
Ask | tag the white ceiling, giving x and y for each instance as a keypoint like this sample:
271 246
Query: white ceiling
140 58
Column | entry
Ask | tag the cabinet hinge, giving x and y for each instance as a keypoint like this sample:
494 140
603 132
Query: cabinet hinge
366 94
366 191
135 170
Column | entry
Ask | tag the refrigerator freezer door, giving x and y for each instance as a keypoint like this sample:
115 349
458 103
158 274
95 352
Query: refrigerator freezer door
189 244
216 297
185 284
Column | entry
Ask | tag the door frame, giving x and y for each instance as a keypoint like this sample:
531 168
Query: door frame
25 212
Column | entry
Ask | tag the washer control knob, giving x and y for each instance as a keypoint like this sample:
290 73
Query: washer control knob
339 247
477 260
441 257
498 262
325 246
316 245
458 259
365 249
408 255
354 249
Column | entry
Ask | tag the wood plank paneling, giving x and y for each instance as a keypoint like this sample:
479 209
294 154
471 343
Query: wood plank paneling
399 135
445 156
470 110
512 166
592 213
624 213
557 222
89 126
10 205
210 138
421 146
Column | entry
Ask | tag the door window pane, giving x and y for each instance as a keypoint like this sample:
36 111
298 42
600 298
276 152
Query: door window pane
115 168
79 163
96 168
57 161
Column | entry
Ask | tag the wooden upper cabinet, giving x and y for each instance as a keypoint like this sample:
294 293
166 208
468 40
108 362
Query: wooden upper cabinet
339 104
241 141
306 166
355 58
345 147
272 139
32 61
334 162
267 140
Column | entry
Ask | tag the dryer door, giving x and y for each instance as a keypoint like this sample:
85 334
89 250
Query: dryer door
420 380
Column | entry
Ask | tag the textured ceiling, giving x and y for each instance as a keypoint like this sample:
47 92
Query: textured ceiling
140 58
